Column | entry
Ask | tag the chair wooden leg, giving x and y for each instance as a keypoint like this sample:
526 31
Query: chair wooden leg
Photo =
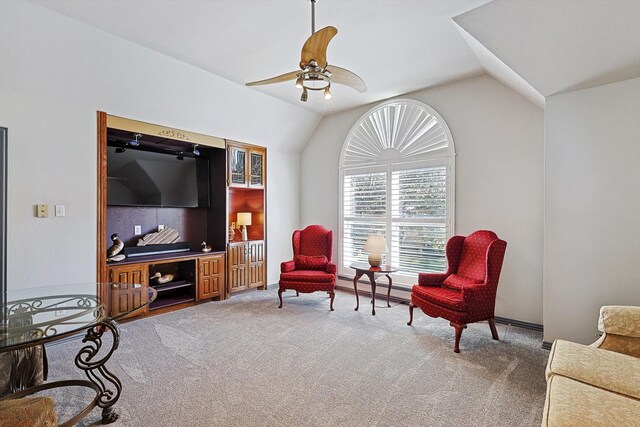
494 331
458 327
280 296
297 293
411 307
332 294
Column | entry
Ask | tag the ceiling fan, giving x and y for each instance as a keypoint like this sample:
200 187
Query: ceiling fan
315 72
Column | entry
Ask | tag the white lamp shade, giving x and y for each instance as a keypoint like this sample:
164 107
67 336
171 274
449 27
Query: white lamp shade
244 218
376 244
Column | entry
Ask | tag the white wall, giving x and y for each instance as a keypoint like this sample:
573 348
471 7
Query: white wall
592 207
498 137
55 73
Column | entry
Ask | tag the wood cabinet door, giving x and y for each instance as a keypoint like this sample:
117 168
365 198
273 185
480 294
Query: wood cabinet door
237 267
256 264
237 166
210 276
124 298
256 168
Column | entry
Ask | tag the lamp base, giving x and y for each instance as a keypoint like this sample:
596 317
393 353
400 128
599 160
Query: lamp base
375 259
244 233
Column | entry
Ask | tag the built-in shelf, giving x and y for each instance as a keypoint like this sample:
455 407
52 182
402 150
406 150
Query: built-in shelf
172 300
173 285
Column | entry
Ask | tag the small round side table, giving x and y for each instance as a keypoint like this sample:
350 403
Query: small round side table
362 268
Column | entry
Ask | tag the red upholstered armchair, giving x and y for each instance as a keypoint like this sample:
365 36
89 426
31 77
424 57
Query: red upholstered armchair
312 268
466 293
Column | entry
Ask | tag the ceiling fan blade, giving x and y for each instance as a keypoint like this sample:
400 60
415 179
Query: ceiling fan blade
315 48
281 78
345 77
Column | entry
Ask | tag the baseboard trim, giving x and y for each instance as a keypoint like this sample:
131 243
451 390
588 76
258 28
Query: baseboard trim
400 300
520 323
503 320
378 295
546 345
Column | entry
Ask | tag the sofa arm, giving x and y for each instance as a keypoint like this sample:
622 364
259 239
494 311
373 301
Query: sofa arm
431 279
287 266
621 327
620 320
331 268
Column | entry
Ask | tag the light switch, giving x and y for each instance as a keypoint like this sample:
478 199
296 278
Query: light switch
60 210
42 211
137 230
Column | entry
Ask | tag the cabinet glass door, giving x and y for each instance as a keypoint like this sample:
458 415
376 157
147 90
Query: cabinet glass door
237 165
257 169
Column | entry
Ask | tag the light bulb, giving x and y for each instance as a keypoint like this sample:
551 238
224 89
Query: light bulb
305 95
327 93
299 82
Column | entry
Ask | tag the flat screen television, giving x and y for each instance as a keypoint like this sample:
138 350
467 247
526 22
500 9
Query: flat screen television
146 178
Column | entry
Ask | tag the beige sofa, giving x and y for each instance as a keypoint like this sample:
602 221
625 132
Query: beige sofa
597 385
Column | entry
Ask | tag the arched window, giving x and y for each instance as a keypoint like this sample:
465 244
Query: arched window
397 172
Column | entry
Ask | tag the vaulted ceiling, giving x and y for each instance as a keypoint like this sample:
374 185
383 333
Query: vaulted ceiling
397 46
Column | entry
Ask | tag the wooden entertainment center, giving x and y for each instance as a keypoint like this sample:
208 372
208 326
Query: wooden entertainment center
237 185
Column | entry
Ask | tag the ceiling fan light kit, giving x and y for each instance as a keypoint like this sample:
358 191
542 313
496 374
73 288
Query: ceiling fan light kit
316 72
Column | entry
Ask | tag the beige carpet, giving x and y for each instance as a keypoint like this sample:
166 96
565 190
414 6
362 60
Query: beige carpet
244 362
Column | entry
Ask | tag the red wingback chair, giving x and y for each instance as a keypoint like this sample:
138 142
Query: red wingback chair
466 293
312 268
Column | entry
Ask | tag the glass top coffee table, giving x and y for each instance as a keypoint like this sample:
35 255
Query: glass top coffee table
30 317
363 268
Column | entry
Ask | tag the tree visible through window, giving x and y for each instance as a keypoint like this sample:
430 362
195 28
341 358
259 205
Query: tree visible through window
397 180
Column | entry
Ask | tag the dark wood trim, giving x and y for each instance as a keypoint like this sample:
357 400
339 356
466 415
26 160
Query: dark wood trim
266 218
519 323
3 216
101 233
546 345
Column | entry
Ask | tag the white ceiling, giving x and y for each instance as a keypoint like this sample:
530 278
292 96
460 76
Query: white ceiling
396 46
536 47
561 45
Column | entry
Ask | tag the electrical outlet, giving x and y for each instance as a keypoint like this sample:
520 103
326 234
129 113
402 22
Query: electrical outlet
60 211
59 312
137 230
160 227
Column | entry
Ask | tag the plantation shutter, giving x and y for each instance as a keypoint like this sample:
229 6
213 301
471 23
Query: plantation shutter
418 220
365 212
397 179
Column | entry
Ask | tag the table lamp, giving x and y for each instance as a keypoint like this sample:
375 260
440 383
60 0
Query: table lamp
244 219
376 246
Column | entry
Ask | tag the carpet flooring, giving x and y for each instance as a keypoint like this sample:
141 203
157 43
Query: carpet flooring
244 362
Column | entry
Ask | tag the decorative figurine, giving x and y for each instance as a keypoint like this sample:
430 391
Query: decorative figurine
162 279
116 258
205 247
116 247
165 236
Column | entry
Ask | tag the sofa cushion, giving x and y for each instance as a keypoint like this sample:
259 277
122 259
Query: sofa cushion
608 370
457 282
308 276
445 297
304 262
572 403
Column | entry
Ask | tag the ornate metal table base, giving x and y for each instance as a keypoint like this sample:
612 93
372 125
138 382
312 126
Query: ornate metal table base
108 385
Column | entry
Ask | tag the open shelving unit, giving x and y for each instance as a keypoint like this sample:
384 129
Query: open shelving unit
180 290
